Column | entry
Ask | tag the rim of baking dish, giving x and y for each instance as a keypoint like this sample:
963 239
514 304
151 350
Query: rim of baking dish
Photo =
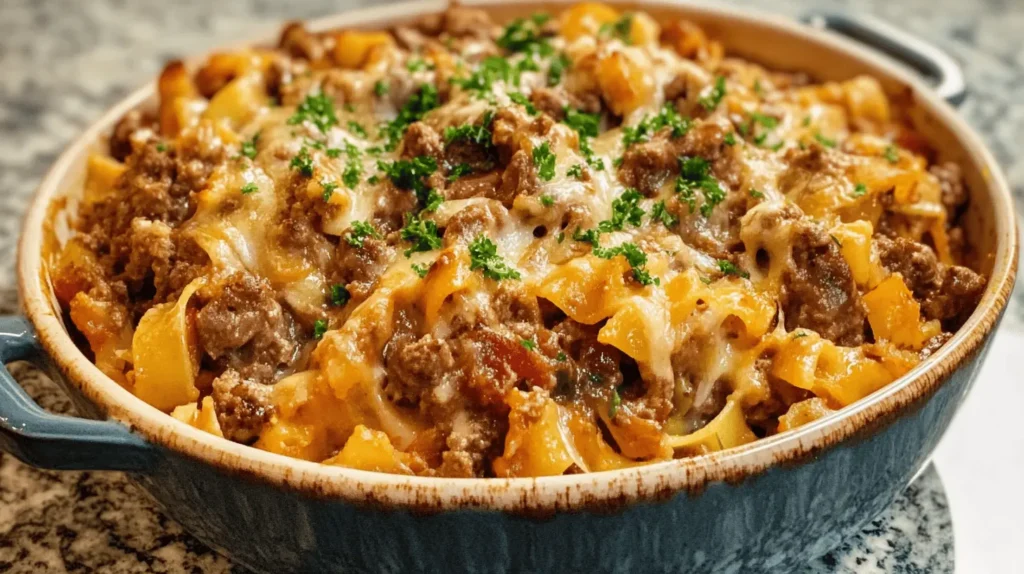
545 494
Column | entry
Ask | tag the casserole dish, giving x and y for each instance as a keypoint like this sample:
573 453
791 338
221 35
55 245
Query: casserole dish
740 507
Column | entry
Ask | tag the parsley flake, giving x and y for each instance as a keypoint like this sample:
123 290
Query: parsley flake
250 188
660 213
459 171
730 138
303 162
559 64
249 147
714 96
614 403
528 344
891 154
357 129
729 268
483 255
547 200
636 258
422 233
524 35
756 194
619 29
575 171
421 269
161 147
827 142
544 159
410 174
859 190
668 117
317 109
319 328
625 209
695 174
381 88
329 187
339 295
360 231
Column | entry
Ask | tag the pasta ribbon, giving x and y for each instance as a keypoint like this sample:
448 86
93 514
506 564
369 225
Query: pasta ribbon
728 429
372 450
202 417
894 315
164 354
539 442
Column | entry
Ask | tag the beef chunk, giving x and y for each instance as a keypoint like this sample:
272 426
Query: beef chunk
819 292
473 220
301 43
242 406
647 165
360 267
422 140
121 138
241 326
459 21
551 101
519 178
946 292
954 193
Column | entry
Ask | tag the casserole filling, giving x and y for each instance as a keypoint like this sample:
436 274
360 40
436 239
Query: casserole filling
561 244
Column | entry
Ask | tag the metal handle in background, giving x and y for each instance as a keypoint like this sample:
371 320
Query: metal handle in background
49 441
923 57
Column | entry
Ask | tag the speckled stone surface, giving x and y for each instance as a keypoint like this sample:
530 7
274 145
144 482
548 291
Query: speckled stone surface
63 62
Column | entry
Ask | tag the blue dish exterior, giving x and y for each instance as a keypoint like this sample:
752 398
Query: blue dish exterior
771 522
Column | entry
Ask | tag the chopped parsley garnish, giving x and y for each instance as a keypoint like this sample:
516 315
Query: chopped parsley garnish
547 200
421 269
319 328
614 403
524 35
587 125
459 171
705 280
472 133
409 174
561 236
799 335
421 233
303 162
859 190
636 258
714 96
522 100
360 231
559 64
758 89
561 357
730 138
618 29
381 88
418 65
575 171
756 194
827 142
660 213
729 268
625 209
528 344
418 105
483 255
339 295
250 188
329 187
667 117
318 109
351 175
806 121
493 69
591 236
162 147
249 147
768 122
544 159
891 154
357 129
694 174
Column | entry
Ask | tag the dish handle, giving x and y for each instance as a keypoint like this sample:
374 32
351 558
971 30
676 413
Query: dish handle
926 59
56 442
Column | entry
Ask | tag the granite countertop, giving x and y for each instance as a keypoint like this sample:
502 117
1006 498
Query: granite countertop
64 62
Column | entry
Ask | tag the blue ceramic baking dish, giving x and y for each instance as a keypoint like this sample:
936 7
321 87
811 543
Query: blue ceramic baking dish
767 506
